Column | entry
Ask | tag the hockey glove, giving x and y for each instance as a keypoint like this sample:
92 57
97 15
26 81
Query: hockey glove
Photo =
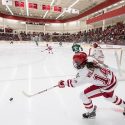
61 84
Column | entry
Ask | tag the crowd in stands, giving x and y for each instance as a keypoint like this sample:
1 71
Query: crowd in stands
9 37
25 37
68 37
7 30
110 35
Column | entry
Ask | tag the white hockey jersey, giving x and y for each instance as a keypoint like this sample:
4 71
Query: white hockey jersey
98 54
102 77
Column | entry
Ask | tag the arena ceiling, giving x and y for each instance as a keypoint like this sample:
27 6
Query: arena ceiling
81 5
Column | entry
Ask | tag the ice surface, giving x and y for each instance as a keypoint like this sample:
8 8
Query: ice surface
23 67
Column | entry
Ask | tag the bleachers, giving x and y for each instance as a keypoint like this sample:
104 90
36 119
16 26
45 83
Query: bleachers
110 35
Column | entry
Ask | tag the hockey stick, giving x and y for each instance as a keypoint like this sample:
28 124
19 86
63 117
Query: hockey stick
43 50
40 92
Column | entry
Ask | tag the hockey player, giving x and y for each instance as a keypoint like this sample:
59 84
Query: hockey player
98 54
103 82
49 49
11 42
76 48
36 40
60 44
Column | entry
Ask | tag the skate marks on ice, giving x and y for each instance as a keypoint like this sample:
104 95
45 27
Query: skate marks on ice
111 109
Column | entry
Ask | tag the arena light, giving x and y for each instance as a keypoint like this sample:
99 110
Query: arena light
74 3
122 1
68 7
115 4
47 24
27 10
45 14
60 14
9 9
52 2
48 11
23 22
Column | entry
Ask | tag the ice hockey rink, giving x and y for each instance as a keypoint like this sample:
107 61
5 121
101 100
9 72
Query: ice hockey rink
23 67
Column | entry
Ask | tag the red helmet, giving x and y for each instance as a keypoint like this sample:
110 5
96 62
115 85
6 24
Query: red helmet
79 59
95 45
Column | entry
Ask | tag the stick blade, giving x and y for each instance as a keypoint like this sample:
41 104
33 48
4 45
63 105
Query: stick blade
27 95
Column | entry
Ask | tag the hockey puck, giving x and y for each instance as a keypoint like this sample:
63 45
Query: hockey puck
11 99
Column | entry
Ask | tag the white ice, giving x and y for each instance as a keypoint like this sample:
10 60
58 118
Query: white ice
23 67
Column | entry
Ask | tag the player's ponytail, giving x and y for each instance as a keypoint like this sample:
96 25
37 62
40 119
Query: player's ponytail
91 65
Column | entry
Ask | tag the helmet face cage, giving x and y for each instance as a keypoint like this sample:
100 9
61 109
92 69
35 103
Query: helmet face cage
76 65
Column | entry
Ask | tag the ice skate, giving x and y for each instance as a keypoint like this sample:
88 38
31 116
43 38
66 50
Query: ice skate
90 115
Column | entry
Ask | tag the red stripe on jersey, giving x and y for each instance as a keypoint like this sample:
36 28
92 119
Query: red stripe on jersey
111 86
89 107
116 100
91 88
120 102
69 83
112 83
87 103
113 78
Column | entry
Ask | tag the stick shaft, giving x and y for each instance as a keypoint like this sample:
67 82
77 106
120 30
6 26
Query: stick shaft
40 92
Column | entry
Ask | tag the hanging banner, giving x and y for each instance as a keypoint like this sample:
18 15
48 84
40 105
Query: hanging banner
32 5
19 4
46 7
57 9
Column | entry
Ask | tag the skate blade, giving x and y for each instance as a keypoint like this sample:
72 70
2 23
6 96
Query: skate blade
89 118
